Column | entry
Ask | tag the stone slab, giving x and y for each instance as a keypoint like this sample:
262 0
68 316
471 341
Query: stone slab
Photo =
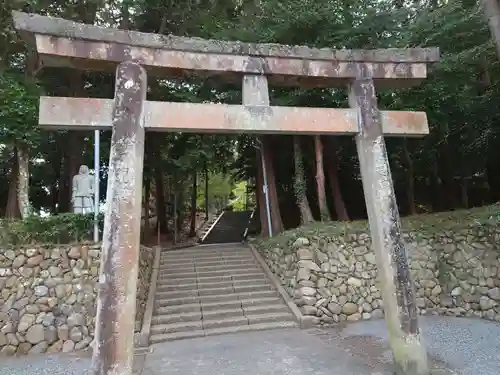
61 42
93 113
59 27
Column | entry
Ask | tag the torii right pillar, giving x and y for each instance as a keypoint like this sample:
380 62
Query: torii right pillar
401 314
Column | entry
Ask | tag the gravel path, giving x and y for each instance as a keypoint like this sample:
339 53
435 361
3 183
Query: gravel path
470 347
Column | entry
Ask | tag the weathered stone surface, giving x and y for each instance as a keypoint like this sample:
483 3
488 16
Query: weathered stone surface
35 334
301 241
335 308
18 261
46 307
27 320
41 291
68 346
75 319
34 261
304 254
349 308
494 294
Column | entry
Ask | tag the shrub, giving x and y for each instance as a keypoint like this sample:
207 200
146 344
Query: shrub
62 228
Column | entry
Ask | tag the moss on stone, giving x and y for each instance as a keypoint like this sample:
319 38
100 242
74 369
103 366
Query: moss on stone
419 225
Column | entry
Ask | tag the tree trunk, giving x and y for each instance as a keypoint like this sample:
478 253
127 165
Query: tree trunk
74 149
435 189
333 179
464 196
75 158
23 181
160 196
194 195
206 193
179 208
53 197
56 164
410 179
175 221
276 221
31 71
261 199
299 185
12 207
320 179
492 175
446 173
64 195
147 192
491 10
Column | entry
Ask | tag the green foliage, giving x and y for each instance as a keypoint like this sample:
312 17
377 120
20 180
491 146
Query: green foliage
18 109
219 189
240 197
63 228
460 96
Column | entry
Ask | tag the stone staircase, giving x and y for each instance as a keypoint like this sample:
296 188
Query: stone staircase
230 228
212 290
206 227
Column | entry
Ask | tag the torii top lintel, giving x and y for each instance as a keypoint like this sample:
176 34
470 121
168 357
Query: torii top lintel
60 42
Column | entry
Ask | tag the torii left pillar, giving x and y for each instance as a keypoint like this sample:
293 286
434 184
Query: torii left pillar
114 333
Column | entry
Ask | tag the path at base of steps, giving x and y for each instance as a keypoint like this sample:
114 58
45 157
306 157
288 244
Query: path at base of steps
459 346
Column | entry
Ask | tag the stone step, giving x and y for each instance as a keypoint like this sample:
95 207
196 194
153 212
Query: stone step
155 338
228 256
227 263
186 326
217 268
223 322
187 308
206 261
222 313
217 261
224 272
245 303
225 289
204 251
219 313
252 287
177 317
165 287
277 307
257 318
176 327
160 302
224 266
165 278
220 322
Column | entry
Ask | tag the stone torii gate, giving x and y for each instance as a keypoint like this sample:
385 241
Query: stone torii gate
64 43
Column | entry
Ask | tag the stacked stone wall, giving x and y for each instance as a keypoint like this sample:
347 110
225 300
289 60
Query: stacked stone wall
49 296
332 274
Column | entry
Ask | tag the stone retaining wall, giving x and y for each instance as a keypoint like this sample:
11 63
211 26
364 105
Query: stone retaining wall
48 297
333 277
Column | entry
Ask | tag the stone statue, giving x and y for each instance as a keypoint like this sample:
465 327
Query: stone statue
82 196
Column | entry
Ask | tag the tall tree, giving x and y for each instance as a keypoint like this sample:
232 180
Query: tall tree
320 179
300 186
